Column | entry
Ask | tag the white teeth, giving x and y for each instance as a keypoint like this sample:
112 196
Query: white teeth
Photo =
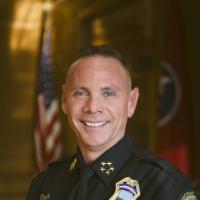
95 124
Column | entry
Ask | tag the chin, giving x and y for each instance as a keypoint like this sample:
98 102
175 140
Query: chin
94 143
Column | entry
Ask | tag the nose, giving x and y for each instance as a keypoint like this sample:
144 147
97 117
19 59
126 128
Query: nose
93 105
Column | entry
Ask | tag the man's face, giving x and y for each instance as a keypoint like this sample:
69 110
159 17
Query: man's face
98 101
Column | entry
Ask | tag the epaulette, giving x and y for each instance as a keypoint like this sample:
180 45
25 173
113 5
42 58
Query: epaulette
181 178
147 157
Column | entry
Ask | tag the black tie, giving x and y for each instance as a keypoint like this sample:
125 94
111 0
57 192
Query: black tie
85 174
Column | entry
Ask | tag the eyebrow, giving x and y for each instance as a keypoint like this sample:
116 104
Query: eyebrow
111 87
108 88
103 88
79 87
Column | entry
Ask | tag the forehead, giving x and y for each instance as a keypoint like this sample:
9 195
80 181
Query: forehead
97 68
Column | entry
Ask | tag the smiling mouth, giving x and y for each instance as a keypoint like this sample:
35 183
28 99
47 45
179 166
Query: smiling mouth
94 124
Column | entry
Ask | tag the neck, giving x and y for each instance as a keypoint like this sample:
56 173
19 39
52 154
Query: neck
90 154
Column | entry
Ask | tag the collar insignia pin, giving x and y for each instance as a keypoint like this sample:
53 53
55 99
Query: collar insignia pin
126 189
106 167
73 164
44 197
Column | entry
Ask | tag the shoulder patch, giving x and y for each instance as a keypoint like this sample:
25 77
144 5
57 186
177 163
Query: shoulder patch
189 196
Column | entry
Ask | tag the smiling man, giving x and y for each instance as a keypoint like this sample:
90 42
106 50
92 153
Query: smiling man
98 99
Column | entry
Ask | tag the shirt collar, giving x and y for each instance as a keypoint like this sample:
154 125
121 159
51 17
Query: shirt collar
109 163
76 162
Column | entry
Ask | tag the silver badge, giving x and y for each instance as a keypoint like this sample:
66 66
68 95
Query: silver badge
189 196
126 189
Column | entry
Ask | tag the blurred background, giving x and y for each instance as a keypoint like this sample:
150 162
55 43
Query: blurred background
159 39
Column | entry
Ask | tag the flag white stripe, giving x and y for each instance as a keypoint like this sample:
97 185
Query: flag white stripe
51 111
52 137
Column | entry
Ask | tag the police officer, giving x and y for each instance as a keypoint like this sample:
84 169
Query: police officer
98 98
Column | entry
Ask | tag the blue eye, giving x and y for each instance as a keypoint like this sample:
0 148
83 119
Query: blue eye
80 93
108 94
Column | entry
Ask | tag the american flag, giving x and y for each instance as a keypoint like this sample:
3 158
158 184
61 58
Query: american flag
47 134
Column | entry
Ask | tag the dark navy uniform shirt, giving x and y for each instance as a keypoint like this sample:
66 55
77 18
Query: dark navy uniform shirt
123 172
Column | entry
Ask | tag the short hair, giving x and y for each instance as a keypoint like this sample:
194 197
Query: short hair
105 51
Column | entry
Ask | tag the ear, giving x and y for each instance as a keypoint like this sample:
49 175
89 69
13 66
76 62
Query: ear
64 99
132 101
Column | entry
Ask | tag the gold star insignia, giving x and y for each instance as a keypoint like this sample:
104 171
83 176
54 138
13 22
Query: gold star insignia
102 169
107 172
106 167
112 169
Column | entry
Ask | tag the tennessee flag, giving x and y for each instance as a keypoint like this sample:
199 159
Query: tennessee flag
174 135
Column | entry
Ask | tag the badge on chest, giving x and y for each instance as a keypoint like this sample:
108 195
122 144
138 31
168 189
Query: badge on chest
126 189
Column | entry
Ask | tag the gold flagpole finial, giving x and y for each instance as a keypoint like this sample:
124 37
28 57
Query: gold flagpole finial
47 5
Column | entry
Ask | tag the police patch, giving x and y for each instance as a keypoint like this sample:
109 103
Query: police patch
44 197
126 189
189 196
